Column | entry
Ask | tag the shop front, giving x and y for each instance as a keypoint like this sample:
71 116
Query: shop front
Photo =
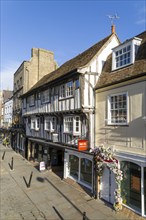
79 167
52 156
133 187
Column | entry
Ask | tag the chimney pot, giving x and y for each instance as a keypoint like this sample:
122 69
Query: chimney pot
113 29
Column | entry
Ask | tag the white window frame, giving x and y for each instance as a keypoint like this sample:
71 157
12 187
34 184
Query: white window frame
45 96
51 120
73 119
35 123
122 51
62 91
66 90
69 89
109 121
77 125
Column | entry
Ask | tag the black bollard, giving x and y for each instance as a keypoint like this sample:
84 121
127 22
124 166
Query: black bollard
84 215
12 164
3 155
30 180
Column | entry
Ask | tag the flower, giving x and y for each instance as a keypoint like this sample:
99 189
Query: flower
104 156
117 206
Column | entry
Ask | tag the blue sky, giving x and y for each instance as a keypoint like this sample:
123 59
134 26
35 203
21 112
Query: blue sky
65 27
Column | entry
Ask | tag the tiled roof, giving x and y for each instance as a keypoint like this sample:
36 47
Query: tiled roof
109 77
71 65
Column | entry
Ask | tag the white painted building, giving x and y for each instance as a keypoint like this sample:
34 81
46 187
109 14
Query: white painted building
8 111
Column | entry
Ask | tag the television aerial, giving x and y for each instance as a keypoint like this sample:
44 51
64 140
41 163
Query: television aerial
113 17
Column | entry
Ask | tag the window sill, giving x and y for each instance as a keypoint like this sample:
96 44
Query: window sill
64 98
117 124
45 102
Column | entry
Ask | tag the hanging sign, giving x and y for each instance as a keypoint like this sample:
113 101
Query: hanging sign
82 145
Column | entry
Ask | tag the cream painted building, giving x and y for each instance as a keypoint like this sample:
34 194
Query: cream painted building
121 120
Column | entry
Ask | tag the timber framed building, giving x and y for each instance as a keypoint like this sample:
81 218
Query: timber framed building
59 111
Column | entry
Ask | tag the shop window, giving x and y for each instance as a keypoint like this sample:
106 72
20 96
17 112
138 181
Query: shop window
74 166
86 171
131 185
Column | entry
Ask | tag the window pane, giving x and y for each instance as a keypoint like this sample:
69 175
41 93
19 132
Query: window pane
53 123
62 91
118 108
123 56
77 84
69 89
38 123
74 166
86 171
77 124
68 124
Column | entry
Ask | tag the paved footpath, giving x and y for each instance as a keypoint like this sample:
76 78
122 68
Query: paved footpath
48 197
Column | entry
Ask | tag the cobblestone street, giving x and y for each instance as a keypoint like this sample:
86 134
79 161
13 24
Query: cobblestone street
48 197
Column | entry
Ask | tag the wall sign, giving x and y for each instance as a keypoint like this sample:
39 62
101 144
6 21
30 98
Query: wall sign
82 145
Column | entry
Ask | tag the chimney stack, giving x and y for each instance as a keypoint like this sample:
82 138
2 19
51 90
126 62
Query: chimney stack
113 30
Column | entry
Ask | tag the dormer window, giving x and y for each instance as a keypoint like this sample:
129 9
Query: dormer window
122 56
125 53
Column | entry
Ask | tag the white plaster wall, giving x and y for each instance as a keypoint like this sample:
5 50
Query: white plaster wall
96 66
8 112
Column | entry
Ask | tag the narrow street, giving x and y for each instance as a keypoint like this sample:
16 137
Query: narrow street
48 197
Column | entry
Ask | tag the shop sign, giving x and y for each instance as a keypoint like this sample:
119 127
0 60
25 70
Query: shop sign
42 166
82 145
